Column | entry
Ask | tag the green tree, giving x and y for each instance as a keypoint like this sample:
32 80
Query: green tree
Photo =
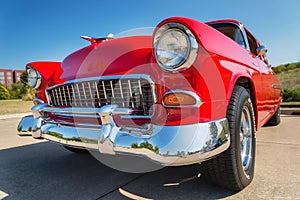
17 90
24 78
4 94
285 67
290 94
291 66
21 89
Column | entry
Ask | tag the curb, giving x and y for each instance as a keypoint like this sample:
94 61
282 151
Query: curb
289 106
11 116
290 110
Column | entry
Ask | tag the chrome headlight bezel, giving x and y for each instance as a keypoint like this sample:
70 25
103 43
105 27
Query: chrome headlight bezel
192 48
34 78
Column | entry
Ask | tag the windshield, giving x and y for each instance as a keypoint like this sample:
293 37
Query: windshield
230 30
148 31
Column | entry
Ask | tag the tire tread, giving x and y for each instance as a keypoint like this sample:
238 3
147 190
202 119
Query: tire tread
223 170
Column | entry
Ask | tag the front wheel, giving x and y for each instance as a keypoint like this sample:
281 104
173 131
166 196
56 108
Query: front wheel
234 168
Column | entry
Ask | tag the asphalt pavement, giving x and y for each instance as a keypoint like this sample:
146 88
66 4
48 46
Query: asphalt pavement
37 169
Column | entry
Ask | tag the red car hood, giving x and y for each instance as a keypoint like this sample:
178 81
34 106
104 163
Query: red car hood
110 57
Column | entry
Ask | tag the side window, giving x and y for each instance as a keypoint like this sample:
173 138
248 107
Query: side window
252 43
240 39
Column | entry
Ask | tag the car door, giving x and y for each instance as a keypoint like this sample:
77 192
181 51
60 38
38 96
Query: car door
272 81
266 75
265 96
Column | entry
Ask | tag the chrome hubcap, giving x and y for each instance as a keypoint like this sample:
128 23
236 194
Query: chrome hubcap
246 139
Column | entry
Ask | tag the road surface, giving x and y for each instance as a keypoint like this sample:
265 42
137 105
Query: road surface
33 169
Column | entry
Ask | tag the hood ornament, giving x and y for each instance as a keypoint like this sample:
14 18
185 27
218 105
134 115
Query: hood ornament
97 40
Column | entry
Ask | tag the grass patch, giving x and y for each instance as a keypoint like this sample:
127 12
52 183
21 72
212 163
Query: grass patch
15 106
290 79
290 104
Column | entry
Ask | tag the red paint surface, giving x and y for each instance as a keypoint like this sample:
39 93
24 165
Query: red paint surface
219 64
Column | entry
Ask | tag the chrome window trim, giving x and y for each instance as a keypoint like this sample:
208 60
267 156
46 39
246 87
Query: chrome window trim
193 94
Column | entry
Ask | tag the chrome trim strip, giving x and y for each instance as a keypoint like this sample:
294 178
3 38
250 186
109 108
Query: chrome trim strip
60 96
91 115
80 125
65 99
121 91
90 90
97 93
141 94
190 93
112 90
104 91
76 115
74 97
56 95
79 96
47 97
86 111
103 78
130 92
69 95
275 86
136 117
84 93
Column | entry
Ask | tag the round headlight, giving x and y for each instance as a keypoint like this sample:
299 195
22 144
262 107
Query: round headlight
34 78
175 47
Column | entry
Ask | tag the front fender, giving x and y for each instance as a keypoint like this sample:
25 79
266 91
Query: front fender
50 72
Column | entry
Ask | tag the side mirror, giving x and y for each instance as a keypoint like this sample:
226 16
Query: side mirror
261 50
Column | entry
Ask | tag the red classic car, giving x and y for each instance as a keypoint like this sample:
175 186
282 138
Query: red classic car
189 93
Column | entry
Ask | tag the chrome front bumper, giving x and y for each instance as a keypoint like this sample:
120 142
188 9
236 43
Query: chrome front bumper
165 145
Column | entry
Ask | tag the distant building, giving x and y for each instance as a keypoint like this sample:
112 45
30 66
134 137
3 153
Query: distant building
8 76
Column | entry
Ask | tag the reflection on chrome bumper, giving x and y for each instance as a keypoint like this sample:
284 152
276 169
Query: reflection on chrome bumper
166 145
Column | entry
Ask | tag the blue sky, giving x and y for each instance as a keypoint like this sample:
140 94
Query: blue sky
34 30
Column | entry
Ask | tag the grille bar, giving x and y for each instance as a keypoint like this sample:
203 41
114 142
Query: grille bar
135 93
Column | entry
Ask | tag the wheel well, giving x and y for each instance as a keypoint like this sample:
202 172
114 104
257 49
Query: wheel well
247 84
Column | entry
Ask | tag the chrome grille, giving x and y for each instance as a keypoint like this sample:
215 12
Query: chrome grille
135 93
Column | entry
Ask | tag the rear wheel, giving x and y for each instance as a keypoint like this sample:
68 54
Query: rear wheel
234 168
76 150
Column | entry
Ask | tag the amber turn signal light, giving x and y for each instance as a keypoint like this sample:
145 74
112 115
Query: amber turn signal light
37 101
179 99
